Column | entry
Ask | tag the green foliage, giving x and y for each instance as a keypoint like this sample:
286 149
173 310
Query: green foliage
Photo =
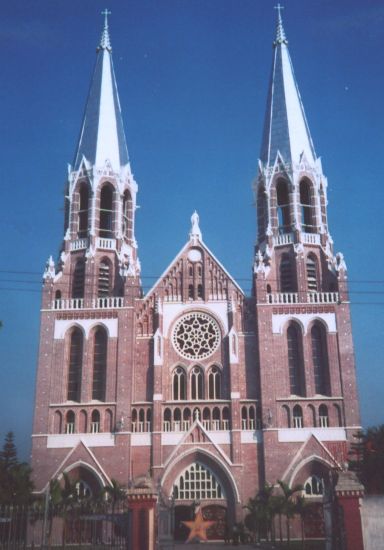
15 484
367 458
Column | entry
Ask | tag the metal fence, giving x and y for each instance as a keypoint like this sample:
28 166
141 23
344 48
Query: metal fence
62 527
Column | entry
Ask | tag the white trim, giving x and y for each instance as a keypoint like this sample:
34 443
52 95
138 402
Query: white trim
62 326
294 435
279 321
65 441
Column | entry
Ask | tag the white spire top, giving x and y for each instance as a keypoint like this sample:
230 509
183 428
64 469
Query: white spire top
285 128
102 135
195 233
105 42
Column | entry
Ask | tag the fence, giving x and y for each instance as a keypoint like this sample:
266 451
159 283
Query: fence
68 527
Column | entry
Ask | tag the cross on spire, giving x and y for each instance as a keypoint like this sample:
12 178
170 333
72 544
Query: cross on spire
280 34
105 42
106 13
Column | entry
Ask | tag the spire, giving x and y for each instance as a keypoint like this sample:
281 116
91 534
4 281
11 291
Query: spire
285 126
102 135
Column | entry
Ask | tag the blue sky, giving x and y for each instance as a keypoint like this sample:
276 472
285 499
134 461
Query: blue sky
192 78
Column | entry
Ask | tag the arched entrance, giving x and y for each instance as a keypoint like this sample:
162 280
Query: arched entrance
199 480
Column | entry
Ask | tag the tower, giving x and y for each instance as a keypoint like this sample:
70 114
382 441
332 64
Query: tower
89 296
307 373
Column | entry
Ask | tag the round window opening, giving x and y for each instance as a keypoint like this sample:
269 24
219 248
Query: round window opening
196 336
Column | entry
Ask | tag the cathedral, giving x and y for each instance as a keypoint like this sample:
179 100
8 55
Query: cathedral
195 387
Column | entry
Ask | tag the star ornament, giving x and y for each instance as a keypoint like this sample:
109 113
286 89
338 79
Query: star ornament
198 528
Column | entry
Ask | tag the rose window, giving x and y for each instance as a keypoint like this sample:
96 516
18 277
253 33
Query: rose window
196 336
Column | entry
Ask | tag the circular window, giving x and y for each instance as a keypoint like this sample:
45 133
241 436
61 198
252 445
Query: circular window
196 336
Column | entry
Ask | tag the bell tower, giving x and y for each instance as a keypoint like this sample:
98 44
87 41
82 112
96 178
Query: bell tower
305 343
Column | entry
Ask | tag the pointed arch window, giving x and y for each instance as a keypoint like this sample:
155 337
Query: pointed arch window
83 211
75 365
262 212
197 383
311 266
283 207
179 384
320 359
214 383
104 278
127 215
323 416
106 212
314 486
287 278
197 482
99 364
295 360
78 281
307 210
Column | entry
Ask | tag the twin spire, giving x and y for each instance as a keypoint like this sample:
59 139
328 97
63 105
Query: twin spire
102 135
285 127
286 130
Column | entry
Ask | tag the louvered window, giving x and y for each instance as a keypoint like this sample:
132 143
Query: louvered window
104 279
106 213
78 280
287 283
312 274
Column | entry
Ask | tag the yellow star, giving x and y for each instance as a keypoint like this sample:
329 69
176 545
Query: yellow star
198 528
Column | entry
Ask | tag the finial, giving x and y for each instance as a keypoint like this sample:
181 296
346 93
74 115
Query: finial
105 43
195 233
280 34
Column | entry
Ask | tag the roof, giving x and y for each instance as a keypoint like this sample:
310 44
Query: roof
285 127
102 133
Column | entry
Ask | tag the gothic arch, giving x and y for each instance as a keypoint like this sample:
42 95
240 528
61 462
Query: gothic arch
176 466
311 464
307 205
283 205
80 464
106 209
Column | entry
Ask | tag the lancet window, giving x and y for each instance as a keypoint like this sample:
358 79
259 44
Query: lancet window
106 212
197 383
95 422
83 211
307 210
323 416
104 278
295 360
262 212
99 364
311 265
320 359
179 384
298 417
75 365
214 383
197 482
314 486
283 208
78 280
127 215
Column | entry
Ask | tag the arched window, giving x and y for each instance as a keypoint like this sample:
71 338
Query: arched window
108 421
200 293
323 416
70 423
287 278
83 422
295 360
95 422
75 365
307 213
262 212
167 420
198 483
320 359
338 417
197 384
314 486
244 418
78 280
104 278
287 416
99 364
57 422
311 265
283 209
83 489
191 292
179 384
106 212
127 215
214 383
83 211
298 417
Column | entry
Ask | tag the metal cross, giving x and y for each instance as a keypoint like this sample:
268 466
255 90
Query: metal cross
279 7
106 13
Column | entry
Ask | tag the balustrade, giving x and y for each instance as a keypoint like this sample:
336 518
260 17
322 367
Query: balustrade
106 244
110 302
302 298
79 244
